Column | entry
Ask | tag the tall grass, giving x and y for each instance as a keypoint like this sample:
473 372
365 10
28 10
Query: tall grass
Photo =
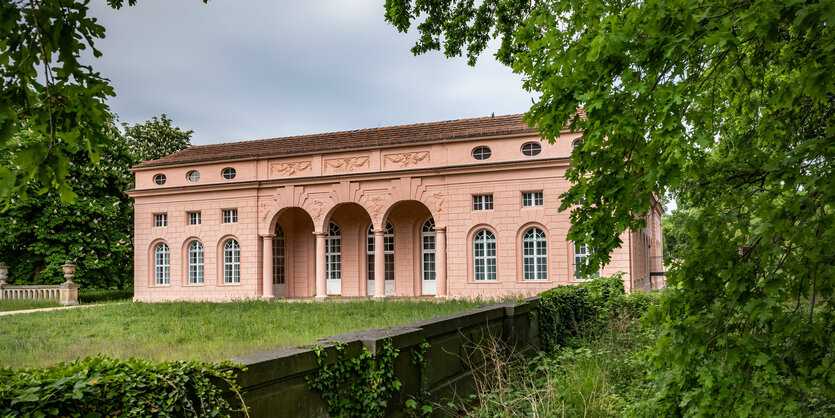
195 331
595 378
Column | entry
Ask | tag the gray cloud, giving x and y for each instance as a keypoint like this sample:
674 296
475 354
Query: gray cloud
244 69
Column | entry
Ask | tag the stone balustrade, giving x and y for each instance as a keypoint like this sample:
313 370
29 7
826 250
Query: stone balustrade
66 293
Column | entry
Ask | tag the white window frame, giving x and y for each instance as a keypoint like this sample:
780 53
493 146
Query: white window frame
483 202
162 264
333 253
160 179
160 220
279 276
534 255
428 250
484 256
533 199
481 153
531 149
231 262
195 218
581 255
230 216
195 262
229 173
193 176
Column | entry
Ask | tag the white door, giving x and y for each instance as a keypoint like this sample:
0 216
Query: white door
333 260
428 257
279 279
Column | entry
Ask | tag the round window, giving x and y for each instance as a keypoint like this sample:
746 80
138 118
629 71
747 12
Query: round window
228 173
531 148
576 143
481 153
193 176
159 179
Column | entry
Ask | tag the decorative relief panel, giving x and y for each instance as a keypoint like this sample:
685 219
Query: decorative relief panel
439 202
347 165
289 169
376 206
406 159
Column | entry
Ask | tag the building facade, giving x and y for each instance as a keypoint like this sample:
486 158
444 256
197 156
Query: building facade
456 208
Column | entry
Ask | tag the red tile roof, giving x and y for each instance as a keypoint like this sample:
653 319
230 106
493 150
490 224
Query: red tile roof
346 140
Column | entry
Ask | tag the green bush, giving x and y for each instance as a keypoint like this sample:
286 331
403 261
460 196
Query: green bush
566 311
101 386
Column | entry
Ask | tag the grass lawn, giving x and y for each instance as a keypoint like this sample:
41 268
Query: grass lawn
195 331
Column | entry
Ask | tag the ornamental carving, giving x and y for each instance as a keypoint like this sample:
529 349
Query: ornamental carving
289 169
318 209
406 159
439 202
346 165
376 206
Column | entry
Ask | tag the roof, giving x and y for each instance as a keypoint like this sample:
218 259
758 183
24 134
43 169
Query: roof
347 140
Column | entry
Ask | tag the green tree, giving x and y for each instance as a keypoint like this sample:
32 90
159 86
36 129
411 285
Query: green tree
728 106
675 227
156 138
48 91
39 232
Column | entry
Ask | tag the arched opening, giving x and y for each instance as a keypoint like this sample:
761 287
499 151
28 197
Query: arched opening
293 254
349 252
409 217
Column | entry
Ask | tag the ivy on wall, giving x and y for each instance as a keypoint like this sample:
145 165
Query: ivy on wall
359 386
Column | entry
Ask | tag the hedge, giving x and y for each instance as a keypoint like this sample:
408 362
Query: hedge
101 386
566 311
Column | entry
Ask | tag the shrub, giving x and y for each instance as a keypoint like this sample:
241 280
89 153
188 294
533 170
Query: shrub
104 295
566 311
101 386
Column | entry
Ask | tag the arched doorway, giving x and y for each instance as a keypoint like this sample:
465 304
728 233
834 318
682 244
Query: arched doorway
289 256
415 247
345 229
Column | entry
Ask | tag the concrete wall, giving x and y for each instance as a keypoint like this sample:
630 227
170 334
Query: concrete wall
275 384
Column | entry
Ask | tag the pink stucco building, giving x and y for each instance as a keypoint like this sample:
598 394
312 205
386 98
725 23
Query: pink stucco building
459 208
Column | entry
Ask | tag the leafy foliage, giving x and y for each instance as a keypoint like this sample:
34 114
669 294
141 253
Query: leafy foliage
42 231
101 386
48 92
359 386
156 138
565 311
39 232
730 107
676 230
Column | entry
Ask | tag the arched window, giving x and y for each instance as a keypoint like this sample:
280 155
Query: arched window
484 255
333 253
388 252
231 262
428 249
581 255
162 264
195 263
534 255
278 255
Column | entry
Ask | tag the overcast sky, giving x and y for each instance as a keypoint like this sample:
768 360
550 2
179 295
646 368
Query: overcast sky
235 70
